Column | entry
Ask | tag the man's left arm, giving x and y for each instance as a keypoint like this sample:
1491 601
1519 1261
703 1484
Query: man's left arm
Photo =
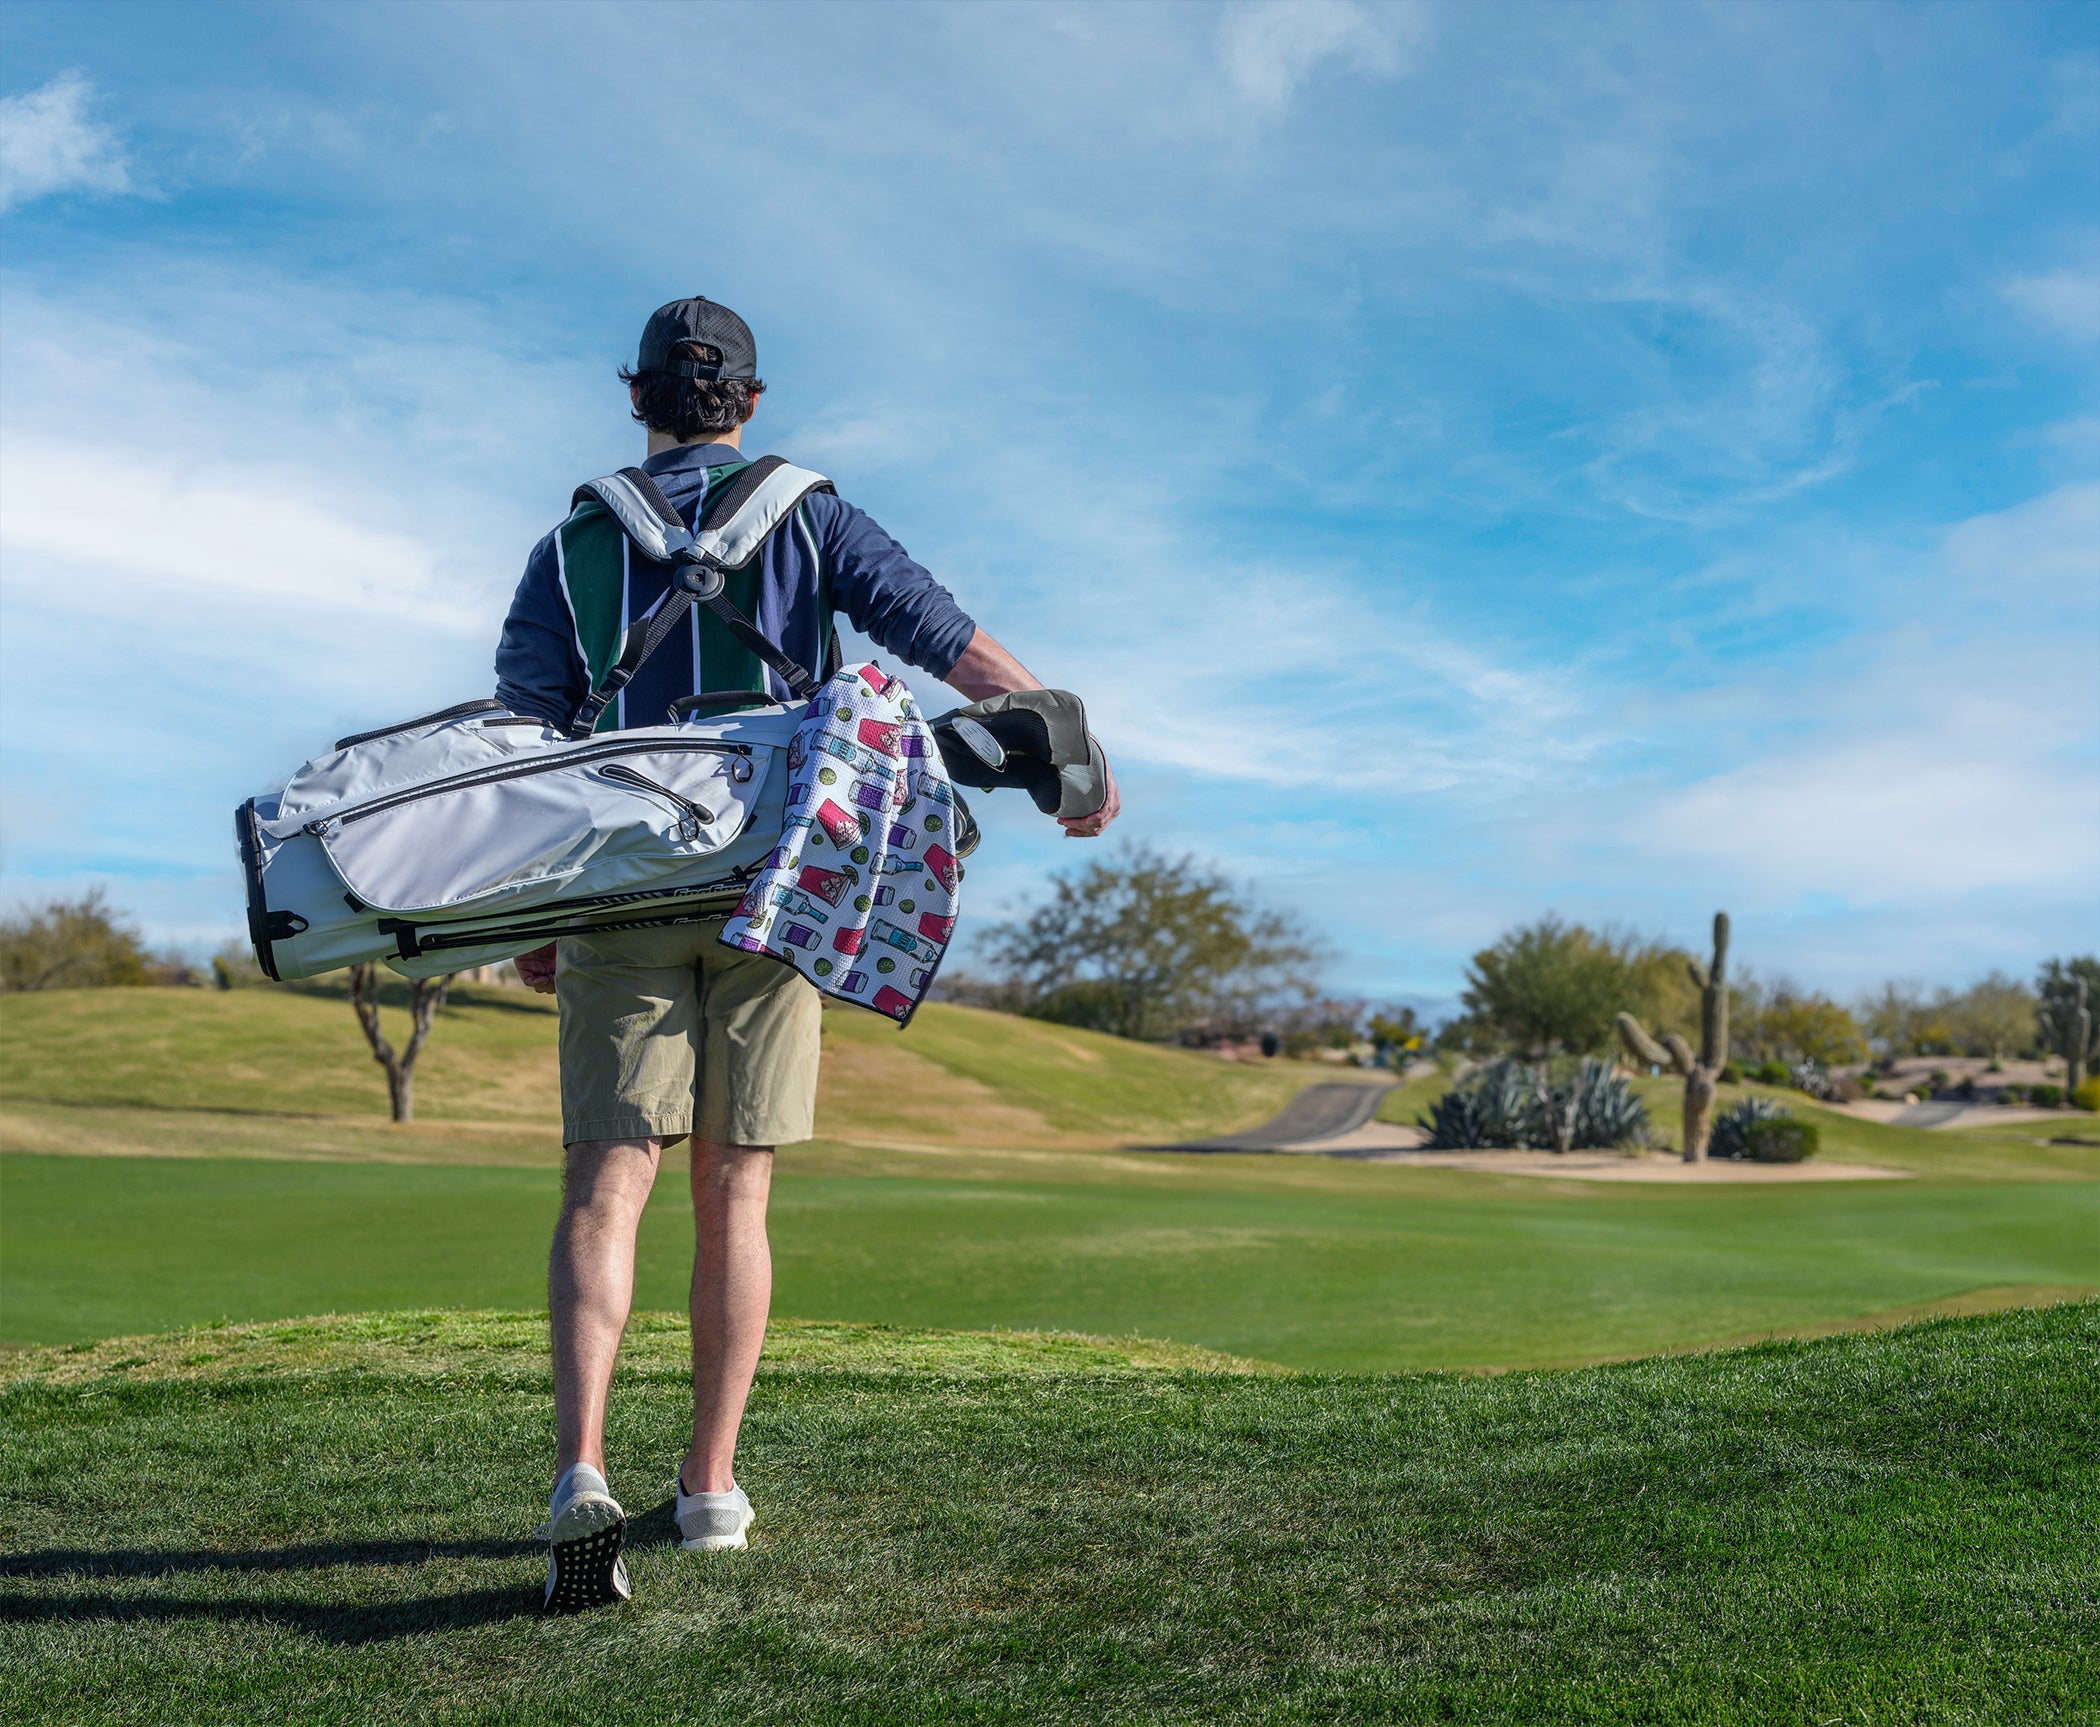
898 605
987 669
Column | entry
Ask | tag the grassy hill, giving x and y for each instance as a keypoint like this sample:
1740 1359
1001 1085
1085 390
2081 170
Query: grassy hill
957 1075
330 1521
240 1167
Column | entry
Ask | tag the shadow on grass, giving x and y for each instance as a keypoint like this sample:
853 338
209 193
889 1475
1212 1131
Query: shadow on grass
337 1622
656 1527
329 1621
310 1556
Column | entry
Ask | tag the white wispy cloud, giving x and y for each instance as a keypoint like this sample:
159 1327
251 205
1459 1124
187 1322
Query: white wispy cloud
49 144
1959 793
290 534
2066 300
1271 48
2045 551
1951 754
1358 470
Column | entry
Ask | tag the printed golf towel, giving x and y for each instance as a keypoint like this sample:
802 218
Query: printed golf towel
861 896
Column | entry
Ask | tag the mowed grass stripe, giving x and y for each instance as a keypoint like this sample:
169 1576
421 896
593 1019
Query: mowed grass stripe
1394 1278
1893 1528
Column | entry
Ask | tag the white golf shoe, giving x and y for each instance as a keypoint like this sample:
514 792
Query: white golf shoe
712 1522
584 1529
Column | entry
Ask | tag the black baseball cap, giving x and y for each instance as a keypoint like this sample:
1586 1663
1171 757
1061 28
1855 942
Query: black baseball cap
702 321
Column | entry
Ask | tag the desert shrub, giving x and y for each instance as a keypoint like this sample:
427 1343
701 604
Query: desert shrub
1497 1106
234 967
2045 1096
2087 1096
1456 1122
1783 1141
2013 1094
71 944
1772 1073
1809 1079
1731 1130
1089 1003
1501 1106
1731 1074
1608 1111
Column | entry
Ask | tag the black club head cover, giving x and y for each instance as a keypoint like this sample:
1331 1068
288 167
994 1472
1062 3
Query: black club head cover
1035 740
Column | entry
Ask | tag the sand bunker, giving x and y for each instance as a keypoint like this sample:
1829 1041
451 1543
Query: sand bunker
1381 1142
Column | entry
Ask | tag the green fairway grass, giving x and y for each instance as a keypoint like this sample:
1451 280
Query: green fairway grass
332 1526
1389 1270
970 1174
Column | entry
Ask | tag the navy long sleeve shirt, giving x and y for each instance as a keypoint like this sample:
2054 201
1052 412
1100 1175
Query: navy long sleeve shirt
831 557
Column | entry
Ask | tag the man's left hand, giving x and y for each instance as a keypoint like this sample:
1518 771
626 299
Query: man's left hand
1088 827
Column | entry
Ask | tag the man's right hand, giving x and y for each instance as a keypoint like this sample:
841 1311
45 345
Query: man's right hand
536 969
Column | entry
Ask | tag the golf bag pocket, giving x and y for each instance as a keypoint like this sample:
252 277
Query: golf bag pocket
617 810
473 838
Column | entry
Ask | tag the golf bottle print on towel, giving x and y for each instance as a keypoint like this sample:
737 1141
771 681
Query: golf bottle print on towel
862 894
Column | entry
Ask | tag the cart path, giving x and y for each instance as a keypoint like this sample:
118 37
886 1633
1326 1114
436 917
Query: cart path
1319 1112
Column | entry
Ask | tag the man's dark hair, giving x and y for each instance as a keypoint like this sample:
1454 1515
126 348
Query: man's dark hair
686 407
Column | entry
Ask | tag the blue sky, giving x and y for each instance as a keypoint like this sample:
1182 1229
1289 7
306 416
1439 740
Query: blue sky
1475 461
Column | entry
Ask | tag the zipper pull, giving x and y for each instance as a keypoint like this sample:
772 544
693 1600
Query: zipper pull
693 817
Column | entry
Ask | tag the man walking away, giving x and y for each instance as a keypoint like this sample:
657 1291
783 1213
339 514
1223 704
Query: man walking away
665 1033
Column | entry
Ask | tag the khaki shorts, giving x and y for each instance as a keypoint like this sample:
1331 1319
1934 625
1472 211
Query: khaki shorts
667 1032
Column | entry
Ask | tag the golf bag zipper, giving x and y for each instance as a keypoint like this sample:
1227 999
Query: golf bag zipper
699 902
320 825
690 822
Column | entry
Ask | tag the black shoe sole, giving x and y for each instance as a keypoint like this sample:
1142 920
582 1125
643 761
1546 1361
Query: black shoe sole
585 1571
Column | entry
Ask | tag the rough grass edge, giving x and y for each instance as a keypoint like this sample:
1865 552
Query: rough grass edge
464 1344
435 1343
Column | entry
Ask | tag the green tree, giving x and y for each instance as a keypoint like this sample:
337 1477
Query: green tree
71 944
1895 1017
1550 987
1994 1017
1660 990
1145 946
1810 1027
1397 1028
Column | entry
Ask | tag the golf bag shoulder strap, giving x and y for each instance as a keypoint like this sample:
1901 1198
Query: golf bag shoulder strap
734 523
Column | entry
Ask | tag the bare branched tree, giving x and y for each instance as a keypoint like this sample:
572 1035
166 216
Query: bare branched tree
425 996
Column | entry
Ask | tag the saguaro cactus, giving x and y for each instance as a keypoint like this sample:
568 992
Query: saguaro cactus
2067 1030
1703 1071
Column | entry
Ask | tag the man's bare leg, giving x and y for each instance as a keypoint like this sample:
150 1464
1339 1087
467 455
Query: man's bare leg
732 1294
590 1285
